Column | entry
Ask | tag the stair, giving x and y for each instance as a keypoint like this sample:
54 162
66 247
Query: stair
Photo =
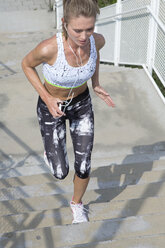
126 203
126 193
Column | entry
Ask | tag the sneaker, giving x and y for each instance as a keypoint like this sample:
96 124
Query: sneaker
79 212
48 164
46 159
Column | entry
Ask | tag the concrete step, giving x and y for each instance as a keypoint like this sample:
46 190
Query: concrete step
105 180
109 176
34 168
98 159
101 178
50 200
156 241
10 6
68 235
97 212
27 21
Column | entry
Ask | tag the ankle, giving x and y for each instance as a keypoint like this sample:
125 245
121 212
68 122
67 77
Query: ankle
76 201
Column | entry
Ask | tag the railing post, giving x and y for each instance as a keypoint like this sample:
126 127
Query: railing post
50 5
152 35
58 7
55 13
117 34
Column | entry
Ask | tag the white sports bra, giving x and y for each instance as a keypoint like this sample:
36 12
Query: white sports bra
62 75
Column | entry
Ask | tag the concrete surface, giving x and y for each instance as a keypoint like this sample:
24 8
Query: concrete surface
135 125
125 197
21 5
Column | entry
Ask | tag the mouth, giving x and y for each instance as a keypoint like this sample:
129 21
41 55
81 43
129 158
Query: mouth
83 42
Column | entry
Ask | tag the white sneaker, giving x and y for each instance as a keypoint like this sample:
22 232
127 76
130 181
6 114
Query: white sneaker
79 212
48 164
46 159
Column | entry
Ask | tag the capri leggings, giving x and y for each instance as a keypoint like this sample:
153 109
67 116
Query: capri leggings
53 131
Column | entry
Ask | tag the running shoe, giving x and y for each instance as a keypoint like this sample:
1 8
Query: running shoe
79 212
46 159
47 163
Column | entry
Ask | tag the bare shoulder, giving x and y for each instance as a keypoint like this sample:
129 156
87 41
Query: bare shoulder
99 40
45 51
47 48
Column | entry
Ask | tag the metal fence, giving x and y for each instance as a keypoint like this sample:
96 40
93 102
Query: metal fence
134 31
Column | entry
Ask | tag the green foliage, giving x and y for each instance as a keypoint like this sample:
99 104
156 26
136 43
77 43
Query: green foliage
159 83
103 3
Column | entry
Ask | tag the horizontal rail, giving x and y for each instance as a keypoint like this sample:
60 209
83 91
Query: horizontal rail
122 13
161 25
58 3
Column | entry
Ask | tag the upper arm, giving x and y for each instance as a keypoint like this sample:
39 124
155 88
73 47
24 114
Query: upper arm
41 53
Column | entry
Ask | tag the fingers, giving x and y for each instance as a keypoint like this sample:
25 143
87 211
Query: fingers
58 111
109 102
104 96
55 109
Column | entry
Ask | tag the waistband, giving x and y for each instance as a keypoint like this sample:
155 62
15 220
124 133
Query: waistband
78 98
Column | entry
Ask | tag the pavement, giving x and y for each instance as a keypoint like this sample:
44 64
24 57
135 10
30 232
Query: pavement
22 5
135 124
126 190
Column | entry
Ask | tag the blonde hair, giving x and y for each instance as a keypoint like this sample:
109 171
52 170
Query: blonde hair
75 8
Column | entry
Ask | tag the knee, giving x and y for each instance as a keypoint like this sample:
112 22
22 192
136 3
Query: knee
60 170
83 171
60 174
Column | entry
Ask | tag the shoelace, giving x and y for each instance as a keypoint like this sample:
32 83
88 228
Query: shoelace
81 206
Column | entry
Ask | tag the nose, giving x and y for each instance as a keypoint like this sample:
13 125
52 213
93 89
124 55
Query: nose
84 35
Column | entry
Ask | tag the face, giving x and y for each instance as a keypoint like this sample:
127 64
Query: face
80 28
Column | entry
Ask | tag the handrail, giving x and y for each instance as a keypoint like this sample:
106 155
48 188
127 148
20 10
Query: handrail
122 13
132 11
157 20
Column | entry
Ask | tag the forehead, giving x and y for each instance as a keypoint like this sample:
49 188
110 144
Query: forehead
82 22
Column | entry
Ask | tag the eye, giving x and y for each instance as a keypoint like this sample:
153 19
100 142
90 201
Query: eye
90 29
78 30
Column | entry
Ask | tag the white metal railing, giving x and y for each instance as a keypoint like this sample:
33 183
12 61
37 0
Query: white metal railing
134 31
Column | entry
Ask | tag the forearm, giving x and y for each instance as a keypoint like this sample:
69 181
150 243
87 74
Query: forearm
34 79
95 77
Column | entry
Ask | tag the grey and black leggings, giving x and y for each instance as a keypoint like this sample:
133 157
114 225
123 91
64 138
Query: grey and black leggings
53 131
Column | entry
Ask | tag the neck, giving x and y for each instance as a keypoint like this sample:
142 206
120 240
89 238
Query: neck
72 43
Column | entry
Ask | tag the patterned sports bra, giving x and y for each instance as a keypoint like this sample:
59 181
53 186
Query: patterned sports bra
62 75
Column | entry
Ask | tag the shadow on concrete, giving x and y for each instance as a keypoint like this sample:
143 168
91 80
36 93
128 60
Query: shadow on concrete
29 151
5 239
132 175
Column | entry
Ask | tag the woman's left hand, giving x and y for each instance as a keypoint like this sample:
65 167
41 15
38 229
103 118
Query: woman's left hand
100 92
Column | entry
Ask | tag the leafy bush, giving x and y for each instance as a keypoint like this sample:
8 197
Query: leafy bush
103 3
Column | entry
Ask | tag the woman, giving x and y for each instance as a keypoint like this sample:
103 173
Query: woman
69 59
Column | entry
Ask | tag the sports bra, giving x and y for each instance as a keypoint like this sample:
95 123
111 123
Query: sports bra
63 75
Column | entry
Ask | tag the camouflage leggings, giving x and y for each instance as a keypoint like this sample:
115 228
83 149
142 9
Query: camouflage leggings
53 131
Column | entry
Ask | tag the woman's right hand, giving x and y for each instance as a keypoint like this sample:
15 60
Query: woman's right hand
53 106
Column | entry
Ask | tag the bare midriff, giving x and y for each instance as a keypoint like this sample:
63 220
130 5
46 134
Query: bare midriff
62 93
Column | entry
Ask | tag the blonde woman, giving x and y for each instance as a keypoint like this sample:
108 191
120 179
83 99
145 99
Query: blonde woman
70 58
